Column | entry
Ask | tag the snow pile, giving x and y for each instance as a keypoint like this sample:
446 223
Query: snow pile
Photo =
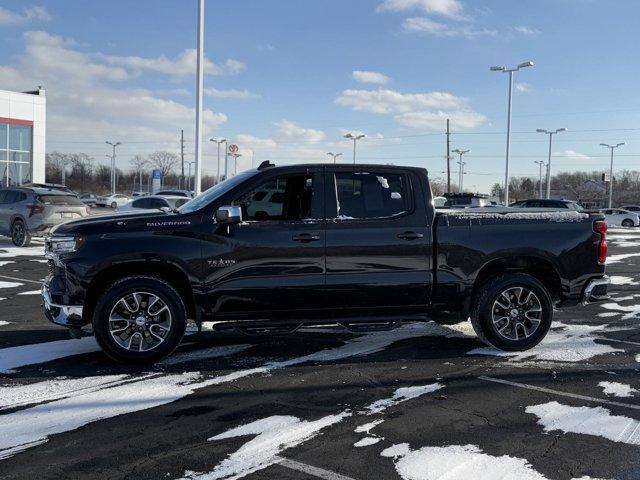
617 389
563 343
15 357
596 421
457 462
401 395
273 435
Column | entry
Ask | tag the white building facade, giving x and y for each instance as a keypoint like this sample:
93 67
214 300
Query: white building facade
22 137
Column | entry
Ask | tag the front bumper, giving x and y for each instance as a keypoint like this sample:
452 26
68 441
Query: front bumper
65 315
596 290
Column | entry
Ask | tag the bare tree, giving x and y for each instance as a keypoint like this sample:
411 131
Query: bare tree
138 163
164 161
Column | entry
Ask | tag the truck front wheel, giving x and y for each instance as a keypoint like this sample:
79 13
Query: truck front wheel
139 319
512 312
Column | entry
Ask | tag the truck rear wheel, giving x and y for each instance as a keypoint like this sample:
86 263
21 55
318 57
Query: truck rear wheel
512 312
139 319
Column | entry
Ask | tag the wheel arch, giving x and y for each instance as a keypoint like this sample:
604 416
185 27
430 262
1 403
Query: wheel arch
168 272
538 267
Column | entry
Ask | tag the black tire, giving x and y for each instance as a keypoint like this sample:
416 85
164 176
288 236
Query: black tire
627 222
482 311
114 205
126 286
20 236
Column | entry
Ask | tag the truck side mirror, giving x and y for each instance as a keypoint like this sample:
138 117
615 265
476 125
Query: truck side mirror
229 214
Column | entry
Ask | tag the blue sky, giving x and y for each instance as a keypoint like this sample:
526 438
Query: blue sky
282 82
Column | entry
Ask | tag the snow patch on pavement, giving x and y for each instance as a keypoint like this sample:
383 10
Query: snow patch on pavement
273 435
12 252
367 427
617 389
620 257
367 441
563 343
31 292
622 280
457 462
596 421
401 395
12 358
4 284
3 322
5 262
629 311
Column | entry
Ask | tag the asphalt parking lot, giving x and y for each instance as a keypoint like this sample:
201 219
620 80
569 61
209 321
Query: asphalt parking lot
419 402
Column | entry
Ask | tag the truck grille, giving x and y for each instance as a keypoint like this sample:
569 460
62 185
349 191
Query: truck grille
52 267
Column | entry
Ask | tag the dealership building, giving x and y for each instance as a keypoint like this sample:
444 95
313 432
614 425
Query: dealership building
22 137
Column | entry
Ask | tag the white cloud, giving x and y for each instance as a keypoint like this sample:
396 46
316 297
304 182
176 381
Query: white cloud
182 65
445 8
255 143
230 93
572 154
28 14
89 100
524 30
391 101
427 26
523 87
365 76
290 131
460 120
416 110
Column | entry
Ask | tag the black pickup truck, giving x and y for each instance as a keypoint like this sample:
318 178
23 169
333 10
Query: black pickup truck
358 245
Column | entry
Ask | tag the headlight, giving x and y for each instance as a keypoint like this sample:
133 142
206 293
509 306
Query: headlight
58 245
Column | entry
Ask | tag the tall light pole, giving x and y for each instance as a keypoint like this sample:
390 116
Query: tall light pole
235 162
199 84
541 163
612 148
462 164
355 138
334 155
506 170
218 142
551 133
113 166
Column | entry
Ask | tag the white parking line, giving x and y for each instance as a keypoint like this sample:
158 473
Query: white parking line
560 393
39 282
311 470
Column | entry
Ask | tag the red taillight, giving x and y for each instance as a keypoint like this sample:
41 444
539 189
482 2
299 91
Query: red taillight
601 227
35 209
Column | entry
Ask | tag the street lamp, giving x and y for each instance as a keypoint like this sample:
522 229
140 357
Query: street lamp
189 175
113 166
510 72
235 162
218 142
541 163
551 134
612 148
462 164
334 155
355 138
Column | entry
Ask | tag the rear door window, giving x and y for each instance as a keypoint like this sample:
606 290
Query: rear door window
11 197
372 194
63 200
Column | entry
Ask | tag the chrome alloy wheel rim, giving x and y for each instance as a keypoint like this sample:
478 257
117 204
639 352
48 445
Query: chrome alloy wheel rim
516 313
139 321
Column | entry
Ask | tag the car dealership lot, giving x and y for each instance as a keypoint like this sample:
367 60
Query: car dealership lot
414 402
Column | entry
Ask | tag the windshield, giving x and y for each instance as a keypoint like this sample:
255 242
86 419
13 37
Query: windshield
214 192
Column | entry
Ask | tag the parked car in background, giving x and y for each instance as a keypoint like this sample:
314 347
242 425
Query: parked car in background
545 203
616 217
466 200
175 193
32 212
139 194
88 198
265 204
113 201
631 208
153 202
54 186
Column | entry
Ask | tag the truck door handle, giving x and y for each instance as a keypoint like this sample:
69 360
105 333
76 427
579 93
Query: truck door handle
410 235
305 237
